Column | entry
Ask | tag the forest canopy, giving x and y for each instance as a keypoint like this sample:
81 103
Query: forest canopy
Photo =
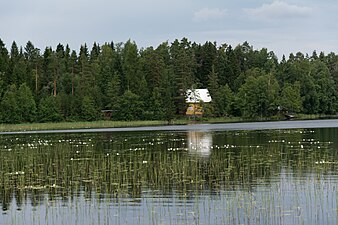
60 84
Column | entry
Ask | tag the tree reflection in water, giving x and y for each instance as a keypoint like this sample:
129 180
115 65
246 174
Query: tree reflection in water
180 177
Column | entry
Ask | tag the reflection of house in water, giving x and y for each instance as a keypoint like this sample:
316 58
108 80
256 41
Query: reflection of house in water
200 143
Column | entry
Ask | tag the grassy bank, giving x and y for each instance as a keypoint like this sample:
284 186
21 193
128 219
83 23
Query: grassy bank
106 124
77 125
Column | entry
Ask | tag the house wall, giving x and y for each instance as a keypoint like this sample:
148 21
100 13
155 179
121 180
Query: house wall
194 109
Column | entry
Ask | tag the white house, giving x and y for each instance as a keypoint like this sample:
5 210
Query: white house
194 98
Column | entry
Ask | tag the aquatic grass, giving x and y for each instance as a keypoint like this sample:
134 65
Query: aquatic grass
77 125
238 183
105 124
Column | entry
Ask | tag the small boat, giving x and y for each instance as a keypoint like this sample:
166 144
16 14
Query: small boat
289 116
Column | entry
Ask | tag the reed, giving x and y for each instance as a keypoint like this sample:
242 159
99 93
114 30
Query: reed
250 177
76 125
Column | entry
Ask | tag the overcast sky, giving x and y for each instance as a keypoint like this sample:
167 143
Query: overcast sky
282 26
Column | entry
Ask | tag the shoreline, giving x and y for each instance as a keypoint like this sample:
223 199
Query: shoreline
202 127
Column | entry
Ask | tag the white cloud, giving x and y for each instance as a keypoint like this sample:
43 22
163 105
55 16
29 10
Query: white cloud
206 14
279 10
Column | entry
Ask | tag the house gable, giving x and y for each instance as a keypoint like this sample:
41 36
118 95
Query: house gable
197 95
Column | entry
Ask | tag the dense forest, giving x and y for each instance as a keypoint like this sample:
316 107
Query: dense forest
150 83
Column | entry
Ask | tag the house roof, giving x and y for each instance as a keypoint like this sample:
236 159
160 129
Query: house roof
197 95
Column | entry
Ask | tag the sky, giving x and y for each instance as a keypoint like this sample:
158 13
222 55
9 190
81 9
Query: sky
281 26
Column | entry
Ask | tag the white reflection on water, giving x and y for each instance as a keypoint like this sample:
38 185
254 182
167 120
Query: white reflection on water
266 178
200 143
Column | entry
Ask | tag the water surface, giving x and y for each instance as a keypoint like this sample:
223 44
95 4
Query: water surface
289 124
206 176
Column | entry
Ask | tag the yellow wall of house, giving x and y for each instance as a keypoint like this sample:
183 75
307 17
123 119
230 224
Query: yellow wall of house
194 109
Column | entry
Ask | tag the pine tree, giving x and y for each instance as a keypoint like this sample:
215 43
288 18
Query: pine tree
87 80
107 74
206 61
73 70
130 66
4 60
183 65
17 66
156 108
32 57
113 91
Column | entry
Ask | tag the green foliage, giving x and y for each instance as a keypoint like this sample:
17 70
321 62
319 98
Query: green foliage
26 104
156 108
108 79
325 87
1 87
113 92
9 106
18 105
130 65
130 107
49 110
257 96
150 83
168 95
89 111
213 83
223 101
153 67
290 99
4 58
205 58
309 95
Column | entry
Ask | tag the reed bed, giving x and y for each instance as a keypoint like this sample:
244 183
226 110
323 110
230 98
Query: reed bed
77 125
249 177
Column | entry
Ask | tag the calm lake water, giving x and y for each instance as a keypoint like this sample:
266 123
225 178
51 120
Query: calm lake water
287 176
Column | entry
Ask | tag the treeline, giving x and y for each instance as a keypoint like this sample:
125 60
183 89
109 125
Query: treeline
149 84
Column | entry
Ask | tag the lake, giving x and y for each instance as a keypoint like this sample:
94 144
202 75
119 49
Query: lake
183 176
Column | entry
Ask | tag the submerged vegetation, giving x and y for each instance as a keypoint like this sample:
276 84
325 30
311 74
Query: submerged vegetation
244 177
54 85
